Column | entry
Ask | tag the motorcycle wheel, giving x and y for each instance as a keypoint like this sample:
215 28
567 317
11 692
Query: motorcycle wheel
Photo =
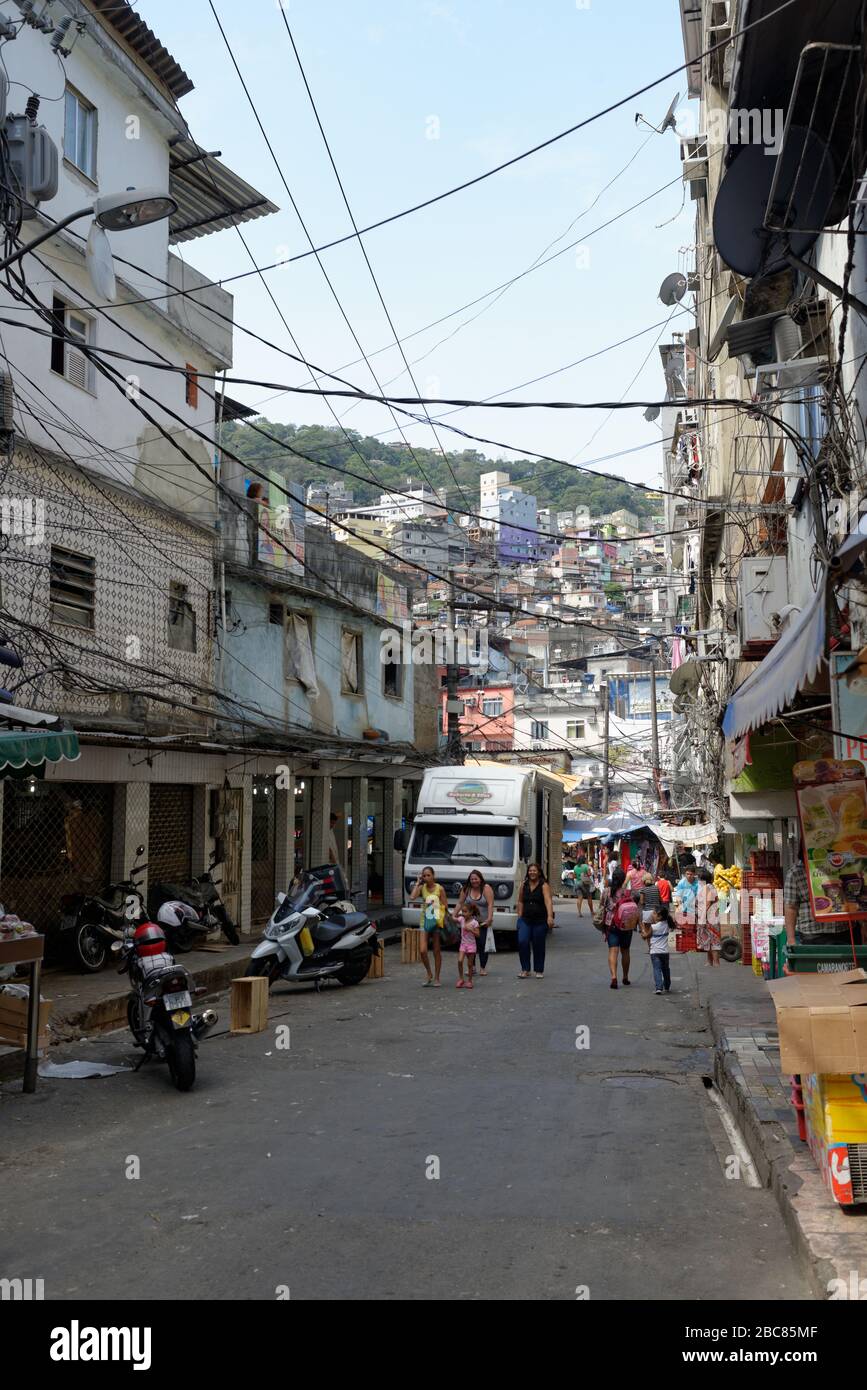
267 966
181 1056
135 1018
230 931
184 939
91 952
354 971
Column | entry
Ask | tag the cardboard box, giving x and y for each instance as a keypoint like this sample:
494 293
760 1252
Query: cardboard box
13 1020
822 1021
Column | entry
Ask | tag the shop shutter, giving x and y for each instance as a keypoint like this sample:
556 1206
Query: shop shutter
170 833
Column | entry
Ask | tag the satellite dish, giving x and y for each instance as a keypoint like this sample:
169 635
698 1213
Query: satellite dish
100 265
673 288
651 413
667 120
804 188
684 681
719 336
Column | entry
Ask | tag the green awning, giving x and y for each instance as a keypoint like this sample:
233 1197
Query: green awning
30 749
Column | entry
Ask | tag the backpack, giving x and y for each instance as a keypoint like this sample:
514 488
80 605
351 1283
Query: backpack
626 915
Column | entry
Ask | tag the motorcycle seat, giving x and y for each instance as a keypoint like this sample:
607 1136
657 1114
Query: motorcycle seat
337 924
113 901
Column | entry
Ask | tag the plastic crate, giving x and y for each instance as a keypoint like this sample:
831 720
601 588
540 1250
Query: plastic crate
764 859
686 939
806 960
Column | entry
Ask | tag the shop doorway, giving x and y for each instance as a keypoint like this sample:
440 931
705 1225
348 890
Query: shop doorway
170 833
56 840
263 846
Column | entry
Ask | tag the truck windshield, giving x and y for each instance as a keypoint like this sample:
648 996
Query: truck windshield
466 843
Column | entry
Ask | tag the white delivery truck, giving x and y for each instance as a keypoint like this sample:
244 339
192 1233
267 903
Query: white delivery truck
497 820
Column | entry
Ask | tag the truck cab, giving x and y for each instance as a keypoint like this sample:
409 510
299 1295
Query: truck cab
497 822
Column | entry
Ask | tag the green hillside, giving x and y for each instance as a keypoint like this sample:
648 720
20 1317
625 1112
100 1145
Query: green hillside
379 467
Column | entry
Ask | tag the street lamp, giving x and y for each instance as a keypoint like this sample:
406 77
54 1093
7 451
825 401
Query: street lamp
114 212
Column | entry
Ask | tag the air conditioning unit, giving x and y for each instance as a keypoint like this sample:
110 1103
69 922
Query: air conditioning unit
763 593
693 153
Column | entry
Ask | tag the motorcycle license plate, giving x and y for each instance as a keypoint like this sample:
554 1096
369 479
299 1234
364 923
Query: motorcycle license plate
177 1001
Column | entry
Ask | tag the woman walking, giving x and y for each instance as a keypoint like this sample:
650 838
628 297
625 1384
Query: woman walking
476 891
535 920
621 919
433 915
707 933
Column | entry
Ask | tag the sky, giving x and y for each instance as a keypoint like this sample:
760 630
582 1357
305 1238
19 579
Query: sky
416 96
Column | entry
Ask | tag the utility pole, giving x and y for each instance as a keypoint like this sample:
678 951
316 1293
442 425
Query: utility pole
603 690
454 750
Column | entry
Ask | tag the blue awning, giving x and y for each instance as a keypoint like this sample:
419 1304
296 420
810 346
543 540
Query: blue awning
794 660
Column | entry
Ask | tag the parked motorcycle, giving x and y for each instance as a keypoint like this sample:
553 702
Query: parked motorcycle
314 935
159 1008
202 894
91 922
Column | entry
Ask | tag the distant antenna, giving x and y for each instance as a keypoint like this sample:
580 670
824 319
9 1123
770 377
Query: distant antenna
667 120
673 288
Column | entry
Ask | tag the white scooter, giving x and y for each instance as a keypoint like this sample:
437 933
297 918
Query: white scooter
314 935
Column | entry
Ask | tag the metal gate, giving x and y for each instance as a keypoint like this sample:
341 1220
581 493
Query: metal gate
262 849
170 833
227 806
56 840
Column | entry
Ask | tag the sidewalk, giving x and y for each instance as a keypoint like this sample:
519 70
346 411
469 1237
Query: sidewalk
97 1003
830 1243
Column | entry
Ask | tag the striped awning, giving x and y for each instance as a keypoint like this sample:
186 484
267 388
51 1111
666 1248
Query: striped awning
791 662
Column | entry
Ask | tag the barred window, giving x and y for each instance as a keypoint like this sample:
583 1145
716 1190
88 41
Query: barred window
72 587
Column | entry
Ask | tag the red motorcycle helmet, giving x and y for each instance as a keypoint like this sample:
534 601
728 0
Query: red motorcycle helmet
149 939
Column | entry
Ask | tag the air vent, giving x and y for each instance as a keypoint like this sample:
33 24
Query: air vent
858 1171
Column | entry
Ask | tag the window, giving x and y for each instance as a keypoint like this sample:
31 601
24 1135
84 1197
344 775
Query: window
275 614
298 649
392 679
191 379
72 587
445 844
539 729
67 358
182 620
351 663
575 728
492 707
79 134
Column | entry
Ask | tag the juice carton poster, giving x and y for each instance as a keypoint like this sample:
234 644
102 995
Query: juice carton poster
832 805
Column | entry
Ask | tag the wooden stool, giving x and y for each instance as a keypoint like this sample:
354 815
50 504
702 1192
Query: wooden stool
248 1004
410 953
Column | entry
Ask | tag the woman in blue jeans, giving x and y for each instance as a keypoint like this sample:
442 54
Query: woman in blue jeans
535 920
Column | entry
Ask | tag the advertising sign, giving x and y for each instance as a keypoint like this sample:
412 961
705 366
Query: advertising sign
849 706
832 805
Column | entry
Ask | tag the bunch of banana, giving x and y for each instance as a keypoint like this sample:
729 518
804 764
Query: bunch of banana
725 880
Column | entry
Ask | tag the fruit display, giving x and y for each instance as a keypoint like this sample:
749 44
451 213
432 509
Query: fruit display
725 880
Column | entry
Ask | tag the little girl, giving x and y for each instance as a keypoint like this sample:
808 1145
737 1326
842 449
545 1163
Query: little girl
656 933
468 921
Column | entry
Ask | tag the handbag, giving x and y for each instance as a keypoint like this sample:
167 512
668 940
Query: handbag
600 913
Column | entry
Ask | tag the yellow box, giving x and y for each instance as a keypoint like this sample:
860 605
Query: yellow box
835 1113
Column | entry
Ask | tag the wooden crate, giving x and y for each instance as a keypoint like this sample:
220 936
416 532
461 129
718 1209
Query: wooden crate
377 963
248 1004
13 1020
410 953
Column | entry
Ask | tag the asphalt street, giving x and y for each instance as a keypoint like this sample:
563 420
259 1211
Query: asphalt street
563 1171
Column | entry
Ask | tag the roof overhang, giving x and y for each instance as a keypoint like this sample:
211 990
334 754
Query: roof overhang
690 23
209 195
120 17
